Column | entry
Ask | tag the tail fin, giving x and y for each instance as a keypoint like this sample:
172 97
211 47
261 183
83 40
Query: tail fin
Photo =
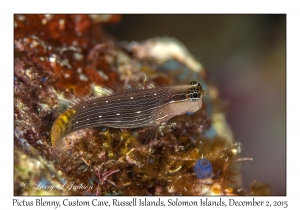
61 127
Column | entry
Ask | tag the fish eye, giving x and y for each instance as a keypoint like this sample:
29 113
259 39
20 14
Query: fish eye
203 169
194 92
194 95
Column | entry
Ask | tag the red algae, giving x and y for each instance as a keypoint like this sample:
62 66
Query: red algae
60 44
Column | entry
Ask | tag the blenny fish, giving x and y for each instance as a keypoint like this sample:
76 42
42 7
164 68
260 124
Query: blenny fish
137 107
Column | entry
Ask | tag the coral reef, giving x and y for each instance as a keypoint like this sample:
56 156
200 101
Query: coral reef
61 55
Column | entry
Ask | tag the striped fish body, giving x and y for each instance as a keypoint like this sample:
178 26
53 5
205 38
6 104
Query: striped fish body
133 109
130 110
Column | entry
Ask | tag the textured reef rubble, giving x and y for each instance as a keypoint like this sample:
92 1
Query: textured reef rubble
58 55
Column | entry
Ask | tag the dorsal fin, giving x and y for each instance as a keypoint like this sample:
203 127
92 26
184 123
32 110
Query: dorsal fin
101 91
70 100
135 84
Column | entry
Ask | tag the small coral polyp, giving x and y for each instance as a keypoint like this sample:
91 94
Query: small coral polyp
203 169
